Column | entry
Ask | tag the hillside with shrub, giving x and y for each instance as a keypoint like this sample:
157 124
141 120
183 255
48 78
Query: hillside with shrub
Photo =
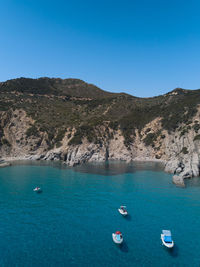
56 105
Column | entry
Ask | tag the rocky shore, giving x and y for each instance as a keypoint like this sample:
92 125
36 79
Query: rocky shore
180 154
168 150
4 163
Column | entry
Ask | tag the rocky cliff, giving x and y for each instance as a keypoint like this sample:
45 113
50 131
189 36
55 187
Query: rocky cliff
72 121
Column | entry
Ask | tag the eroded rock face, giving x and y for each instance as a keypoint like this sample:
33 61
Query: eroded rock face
180 152
178 180
4 164
18 145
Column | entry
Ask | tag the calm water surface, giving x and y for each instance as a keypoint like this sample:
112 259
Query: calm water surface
71 222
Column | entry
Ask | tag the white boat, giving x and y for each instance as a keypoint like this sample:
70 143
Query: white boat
166 238
117 237
122 210
37 189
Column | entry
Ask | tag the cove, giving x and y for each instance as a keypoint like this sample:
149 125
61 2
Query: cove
71 222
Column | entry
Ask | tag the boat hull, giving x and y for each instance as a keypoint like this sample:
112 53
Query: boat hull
168 245
37 190
122 212
115 240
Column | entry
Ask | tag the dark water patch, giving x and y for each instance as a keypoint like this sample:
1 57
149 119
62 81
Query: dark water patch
173 252
48 163
124 247
193 182
107 168
128 217
110 168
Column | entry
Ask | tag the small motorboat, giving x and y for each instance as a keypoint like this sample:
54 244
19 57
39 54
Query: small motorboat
37 189
117 237
122 210
166 238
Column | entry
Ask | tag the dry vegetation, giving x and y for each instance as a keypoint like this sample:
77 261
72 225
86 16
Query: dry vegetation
57 105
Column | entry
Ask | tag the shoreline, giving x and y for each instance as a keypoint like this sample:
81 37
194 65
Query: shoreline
5 164
13 159
116 164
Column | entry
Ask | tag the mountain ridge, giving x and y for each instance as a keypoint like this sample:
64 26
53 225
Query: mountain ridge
82 82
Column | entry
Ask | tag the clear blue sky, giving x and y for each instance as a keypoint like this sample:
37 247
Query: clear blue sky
143 47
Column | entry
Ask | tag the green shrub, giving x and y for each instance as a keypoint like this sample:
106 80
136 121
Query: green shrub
149 139
184 150
113 125
4 141
197 137
196 127
128 141
32 131
58 144
60 135
43 128
76 139
183 132
50 134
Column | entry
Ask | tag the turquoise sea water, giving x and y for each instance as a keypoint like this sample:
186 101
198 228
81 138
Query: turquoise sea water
71 222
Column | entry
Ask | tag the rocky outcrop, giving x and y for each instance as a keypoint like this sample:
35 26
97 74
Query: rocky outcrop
178 180
4 163
180 150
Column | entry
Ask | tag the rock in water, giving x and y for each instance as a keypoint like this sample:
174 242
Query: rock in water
178 180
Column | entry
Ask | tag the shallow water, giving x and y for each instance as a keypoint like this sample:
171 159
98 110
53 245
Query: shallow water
71 222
